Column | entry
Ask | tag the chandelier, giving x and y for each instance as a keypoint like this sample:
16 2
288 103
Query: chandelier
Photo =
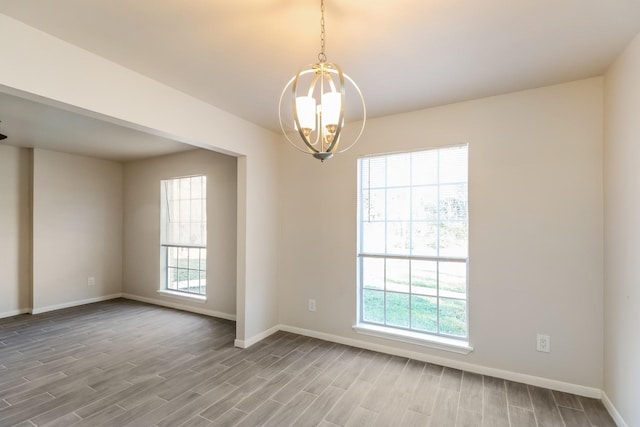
318 106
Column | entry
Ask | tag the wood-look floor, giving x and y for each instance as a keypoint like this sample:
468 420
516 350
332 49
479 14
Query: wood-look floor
122 363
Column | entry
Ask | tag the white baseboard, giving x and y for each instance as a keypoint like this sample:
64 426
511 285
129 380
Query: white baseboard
256 338
182 307
613 411
38 310
470 367
12 313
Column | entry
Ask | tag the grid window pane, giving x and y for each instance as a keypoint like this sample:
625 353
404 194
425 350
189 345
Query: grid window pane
453 238
373 172
174 232
424 313
174 211
184 231
398 170
194 258
424 167
196 187
373 306
373 240
413 240
185 210
424 203
453 202
453 279
399 204
172 280
373 205
397 275
424 239
172 257
203 261
196 210
185 188
424 277
398 237
397 310
373 273
455 160
194 233
453 317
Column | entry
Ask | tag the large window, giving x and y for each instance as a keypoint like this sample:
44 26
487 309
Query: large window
413 241
183 235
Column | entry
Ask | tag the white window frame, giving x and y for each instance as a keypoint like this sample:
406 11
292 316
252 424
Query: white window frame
438 338
169 243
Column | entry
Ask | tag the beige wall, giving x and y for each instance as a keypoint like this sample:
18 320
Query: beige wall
535 200
15 230
622 234
77 229
142 226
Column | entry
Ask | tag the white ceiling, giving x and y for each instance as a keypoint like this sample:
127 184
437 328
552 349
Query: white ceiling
32 124
404 55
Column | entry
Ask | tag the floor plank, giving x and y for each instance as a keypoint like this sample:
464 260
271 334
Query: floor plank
545 408
495 409
596 412
446 407
522 417
518 395
348 403
574 417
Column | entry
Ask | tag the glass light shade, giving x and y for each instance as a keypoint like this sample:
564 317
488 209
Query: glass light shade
331 108
306 108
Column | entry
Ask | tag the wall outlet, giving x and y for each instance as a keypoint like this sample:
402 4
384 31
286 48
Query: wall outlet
543 343
312 304
91 281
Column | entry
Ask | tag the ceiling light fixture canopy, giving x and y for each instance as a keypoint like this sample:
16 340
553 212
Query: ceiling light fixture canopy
318 105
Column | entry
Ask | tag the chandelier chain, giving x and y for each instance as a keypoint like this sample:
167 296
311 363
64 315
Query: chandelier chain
321 56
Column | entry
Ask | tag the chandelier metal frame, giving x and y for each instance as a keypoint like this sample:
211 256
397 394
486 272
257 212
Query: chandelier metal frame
322 137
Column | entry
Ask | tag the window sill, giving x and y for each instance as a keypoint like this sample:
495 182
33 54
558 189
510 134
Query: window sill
183 296
440 343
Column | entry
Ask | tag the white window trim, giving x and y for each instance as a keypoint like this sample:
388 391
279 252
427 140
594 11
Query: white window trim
417 338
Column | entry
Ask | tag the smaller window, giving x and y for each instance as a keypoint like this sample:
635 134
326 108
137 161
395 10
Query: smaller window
183 235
